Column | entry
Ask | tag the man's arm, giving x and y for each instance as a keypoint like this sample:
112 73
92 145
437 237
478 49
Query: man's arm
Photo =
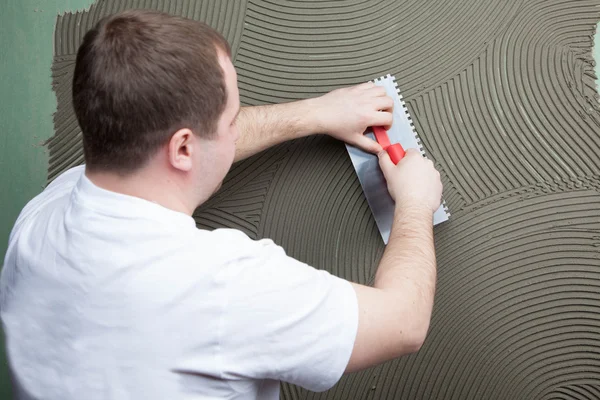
394 315
343 113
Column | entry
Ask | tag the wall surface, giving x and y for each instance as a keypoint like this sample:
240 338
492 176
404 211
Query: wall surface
503 96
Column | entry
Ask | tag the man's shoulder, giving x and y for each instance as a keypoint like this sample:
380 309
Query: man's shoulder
58 189
67 179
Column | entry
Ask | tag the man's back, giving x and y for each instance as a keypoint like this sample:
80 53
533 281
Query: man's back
112 296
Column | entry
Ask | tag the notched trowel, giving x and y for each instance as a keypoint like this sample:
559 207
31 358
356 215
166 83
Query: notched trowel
367 165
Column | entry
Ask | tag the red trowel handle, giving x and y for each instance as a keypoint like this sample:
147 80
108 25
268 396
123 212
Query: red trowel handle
395 150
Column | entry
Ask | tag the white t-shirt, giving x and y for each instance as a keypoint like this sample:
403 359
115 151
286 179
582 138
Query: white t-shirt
108 296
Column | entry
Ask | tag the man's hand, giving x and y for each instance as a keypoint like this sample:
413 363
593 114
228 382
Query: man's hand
413 182
346 113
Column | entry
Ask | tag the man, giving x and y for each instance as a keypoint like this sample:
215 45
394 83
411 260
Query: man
109 291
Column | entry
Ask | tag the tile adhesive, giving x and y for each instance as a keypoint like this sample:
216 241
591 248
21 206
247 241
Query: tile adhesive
502 95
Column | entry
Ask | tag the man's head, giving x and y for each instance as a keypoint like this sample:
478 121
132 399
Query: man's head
149 87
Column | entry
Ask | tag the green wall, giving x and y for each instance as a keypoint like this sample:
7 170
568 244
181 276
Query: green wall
26 41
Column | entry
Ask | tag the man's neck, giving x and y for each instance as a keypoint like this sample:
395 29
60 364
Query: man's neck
155 187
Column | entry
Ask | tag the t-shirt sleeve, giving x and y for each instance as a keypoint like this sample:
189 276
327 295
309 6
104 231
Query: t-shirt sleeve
285 320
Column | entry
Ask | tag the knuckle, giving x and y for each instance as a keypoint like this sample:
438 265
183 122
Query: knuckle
367 85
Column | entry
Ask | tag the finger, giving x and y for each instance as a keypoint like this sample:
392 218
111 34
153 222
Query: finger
384 103
365 86
381 118
377 91
368 144
385 163
412 152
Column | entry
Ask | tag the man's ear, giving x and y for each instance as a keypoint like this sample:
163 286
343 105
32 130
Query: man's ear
181 148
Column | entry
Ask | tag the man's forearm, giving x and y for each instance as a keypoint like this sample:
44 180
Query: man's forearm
408 266
261 127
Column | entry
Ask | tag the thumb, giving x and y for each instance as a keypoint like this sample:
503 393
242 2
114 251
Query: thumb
368 144
385 163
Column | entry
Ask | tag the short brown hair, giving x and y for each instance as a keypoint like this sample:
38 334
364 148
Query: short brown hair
139 77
